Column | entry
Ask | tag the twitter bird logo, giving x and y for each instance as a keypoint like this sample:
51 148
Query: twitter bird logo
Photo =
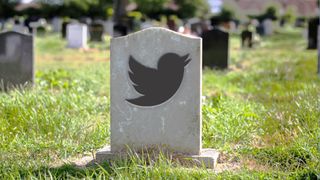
157 86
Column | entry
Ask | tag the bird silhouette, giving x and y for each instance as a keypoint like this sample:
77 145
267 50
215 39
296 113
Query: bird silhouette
156 86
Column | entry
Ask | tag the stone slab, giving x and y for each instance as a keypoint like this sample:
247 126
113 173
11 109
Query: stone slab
16 59
77 36
216 48
208 157
175 124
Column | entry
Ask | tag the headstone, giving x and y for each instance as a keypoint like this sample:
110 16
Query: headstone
77 35
3 23
120 30
39 27
156 96
64 29
96 32
16 59
108 28
215 48
313 33
20 29
268 26
56 23
305 34
246 39
260 30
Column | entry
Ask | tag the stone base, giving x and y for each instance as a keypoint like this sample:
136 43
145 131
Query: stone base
208 157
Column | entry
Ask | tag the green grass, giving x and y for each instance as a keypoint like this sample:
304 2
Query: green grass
262 115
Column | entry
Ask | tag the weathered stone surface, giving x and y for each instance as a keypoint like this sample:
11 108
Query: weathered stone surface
77 35
16 59
174 125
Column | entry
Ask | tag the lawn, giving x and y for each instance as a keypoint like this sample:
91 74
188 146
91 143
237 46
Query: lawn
262 115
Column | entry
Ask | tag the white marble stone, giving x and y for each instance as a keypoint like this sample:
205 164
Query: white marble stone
77 35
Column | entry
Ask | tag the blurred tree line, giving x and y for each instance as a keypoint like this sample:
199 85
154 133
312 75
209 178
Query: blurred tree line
103 8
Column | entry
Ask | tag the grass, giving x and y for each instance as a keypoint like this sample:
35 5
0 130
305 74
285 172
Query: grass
262 115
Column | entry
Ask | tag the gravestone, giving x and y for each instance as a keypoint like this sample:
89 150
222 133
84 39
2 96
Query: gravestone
56 23
77 35
215 44
156 96
260 30
120 30
246 39
108 27
305 34
64 30
16 59
268 26
96 32
313 33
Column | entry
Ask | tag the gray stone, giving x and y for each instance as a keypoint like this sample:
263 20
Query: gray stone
216 48
56 24
268 26
16 59
77 35
108 27
172 125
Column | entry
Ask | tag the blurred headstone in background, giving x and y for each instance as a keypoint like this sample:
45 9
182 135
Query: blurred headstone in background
64 29
313 33
268 26
77 35
56 24
96 32
108 28
215 44
305 34
16 59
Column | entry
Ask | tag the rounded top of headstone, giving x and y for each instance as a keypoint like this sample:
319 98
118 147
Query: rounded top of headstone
158 30
42 22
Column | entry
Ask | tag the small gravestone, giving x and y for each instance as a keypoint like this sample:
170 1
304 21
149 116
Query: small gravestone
120 30
313 33
64 30
56 23
108 28
246 39
16 59
215 48
305 34
77 35
96 32
268 26
260 30
156 96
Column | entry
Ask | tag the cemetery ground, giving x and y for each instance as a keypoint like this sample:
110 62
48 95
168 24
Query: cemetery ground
262 115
